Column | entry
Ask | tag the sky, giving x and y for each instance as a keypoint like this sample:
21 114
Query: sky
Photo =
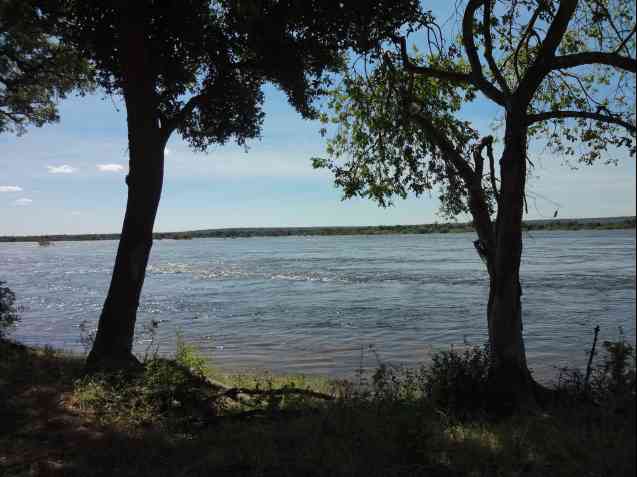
68 178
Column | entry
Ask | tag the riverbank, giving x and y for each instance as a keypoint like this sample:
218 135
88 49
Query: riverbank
603 223
180 418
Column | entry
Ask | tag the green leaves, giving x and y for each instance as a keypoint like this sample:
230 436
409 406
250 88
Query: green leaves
36 70
379 151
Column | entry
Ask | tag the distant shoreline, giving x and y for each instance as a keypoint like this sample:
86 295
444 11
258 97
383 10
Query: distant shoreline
601 223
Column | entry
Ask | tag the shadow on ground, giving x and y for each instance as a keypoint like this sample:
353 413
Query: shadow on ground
55 422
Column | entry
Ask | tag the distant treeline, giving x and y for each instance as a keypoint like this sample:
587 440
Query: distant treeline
605 223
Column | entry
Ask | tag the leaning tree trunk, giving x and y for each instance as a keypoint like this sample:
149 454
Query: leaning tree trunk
114 340
510 382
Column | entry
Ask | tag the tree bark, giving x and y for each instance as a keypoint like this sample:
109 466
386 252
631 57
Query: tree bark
510 382
113 344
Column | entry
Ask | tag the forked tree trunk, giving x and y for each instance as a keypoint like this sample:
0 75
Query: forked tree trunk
510 382
114 340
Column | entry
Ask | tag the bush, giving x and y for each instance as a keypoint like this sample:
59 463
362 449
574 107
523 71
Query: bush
457 381
8 312
612 380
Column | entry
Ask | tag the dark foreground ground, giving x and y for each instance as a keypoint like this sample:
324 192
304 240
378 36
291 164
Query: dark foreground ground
180 418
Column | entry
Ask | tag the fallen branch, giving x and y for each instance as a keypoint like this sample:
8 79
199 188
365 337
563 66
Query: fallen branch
286 391
239 394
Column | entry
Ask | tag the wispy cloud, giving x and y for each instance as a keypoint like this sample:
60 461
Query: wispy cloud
110 167
10 188
22 201
63 169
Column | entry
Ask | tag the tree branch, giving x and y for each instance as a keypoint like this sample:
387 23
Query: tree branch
625 40
178 118
594 57
546 116
448 150
477 203
409 65
477 76
524 39
286 391
488 48
542 64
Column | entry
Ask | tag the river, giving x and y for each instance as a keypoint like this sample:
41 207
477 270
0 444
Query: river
329 305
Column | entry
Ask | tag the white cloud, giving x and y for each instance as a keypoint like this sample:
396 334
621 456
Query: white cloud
110 167
22 201
63 169
10 189
168 152
76 212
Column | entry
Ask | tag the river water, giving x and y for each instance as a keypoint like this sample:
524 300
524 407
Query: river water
328 305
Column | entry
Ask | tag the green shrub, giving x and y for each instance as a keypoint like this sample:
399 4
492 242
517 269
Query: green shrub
612 380
8 312
457 381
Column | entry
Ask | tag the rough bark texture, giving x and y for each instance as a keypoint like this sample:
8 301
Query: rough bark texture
511 384
114 340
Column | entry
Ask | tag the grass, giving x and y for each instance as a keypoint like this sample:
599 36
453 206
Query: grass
177 418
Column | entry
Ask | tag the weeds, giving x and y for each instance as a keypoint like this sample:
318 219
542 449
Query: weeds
187 356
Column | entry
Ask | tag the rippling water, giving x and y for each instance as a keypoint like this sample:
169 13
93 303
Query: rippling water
316 304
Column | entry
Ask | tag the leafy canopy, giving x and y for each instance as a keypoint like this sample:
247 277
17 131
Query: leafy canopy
35 69
397 118
209 59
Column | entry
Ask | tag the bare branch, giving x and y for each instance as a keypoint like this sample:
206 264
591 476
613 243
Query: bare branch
488 48
627 39
525 39
178 118
594 58
468 40
473 183
448 150
609 18
546 116
287 391
542 64
409 65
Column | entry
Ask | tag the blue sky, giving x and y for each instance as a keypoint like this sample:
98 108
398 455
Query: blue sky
69 178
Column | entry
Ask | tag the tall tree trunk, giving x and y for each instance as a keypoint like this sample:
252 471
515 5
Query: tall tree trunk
114 340
510 381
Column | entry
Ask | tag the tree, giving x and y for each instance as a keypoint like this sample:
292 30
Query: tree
561 71
35 69
197 67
